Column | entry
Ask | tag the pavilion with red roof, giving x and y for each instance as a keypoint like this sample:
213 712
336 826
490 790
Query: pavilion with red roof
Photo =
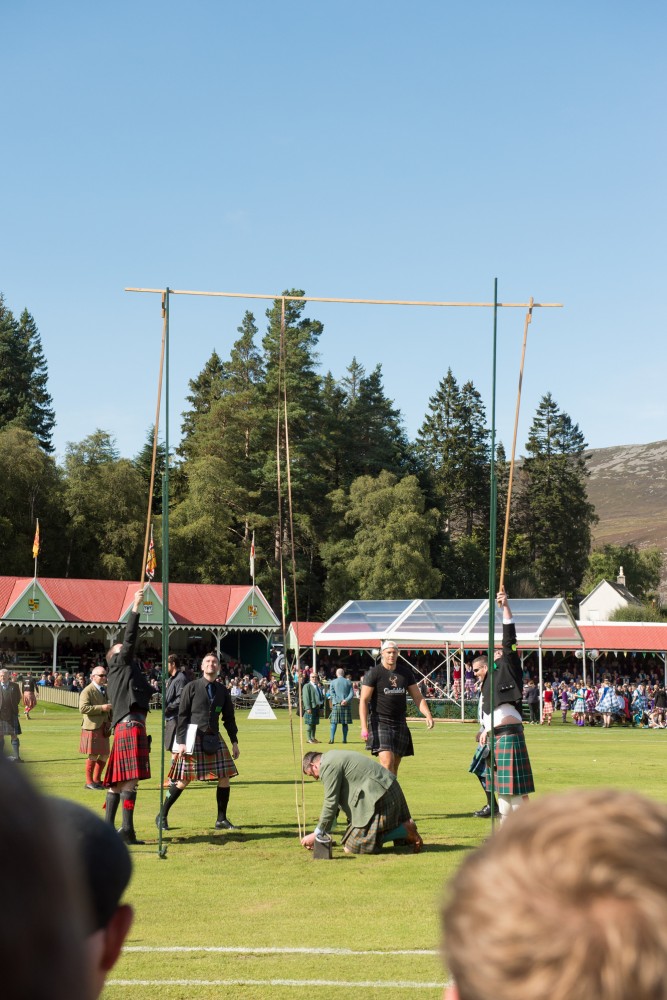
233 619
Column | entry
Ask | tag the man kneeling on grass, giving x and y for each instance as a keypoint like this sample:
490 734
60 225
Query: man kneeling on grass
369 795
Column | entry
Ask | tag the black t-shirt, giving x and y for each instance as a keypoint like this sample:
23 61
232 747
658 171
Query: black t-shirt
29 684
389 689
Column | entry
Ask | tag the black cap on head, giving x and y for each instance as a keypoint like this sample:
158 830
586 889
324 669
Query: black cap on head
105 861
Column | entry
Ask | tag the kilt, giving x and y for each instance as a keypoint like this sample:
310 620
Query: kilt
130 754
580 706
478 763
390 811
389 734
548 708
514 775
94 743
29 700
12 728
341 714
199 765
311 716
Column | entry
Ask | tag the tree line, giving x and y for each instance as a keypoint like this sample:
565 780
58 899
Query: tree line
375 515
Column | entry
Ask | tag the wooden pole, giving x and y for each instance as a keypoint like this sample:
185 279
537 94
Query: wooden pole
529 316
367 302
155 433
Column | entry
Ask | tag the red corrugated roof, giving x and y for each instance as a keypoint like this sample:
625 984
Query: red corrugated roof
639 637
107 600
304 631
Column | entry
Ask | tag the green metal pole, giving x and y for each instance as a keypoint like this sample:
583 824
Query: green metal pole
162 851
492 551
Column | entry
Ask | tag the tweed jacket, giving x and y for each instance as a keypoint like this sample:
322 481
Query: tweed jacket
90 700
10 701
310 697
353 783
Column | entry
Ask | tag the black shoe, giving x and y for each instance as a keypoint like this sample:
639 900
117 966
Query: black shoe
161 821
92 787
330 741
99 786
224 824
129 837
484 813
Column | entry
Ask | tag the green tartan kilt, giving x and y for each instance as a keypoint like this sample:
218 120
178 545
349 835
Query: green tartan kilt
341 714
514 775
390 811
311 716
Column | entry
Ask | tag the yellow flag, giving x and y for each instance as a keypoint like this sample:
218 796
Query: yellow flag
35 543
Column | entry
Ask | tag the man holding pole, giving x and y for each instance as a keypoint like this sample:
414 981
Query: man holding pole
512 771
130 695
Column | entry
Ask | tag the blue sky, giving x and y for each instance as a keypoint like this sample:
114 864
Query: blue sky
375 150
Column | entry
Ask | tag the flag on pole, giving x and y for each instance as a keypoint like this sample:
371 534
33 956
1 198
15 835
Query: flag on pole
285 601
252 559
151 561
35 544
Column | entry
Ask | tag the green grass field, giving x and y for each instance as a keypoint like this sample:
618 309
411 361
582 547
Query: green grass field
258 889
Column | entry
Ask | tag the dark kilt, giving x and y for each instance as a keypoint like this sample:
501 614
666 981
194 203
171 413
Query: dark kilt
514 775
130 754
389 734
311 716
390 811
198 766
341 714
94 743
170 732
12 728
478 764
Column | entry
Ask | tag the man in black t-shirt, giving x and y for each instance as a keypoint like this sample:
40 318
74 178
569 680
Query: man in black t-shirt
382 708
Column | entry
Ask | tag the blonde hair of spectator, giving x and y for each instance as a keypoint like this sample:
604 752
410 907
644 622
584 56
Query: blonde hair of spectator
567 901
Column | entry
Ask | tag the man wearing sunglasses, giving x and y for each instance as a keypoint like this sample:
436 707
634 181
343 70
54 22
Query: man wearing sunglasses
95 727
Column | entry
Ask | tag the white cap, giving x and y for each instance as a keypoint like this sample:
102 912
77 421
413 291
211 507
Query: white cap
387 644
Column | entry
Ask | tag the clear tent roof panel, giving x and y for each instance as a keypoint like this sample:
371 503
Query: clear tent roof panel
359 618
430 619
543 621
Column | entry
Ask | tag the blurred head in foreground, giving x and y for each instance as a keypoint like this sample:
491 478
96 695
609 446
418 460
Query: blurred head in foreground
106 868
44 912
567 901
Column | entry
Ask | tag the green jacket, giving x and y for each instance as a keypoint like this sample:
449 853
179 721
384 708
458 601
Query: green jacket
353 783
310 697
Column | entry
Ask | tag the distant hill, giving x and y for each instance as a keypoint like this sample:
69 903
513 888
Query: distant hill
628 485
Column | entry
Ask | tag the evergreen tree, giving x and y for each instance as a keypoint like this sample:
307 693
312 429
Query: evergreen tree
555 515
453 450
41 416
24 399
204 391
143 463
377 440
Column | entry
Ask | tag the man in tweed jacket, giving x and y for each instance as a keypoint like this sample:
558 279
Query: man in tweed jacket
369 795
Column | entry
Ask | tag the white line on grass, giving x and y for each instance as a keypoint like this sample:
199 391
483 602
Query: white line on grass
365 984
249 949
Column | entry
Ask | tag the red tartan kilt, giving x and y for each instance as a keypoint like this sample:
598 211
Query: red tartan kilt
130 754
94 743
29 700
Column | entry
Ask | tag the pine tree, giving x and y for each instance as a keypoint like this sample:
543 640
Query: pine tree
24 399
376 436
555 515
42 419
204 391
143 462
